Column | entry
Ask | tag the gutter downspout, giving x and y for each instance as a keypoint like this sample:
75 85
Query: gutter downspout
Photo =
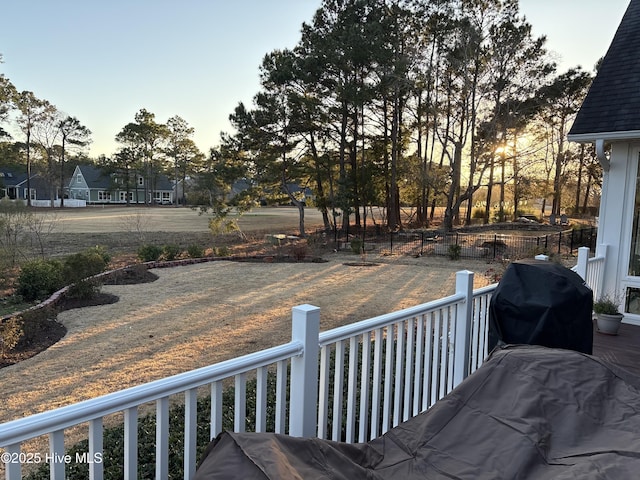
609 271
602 158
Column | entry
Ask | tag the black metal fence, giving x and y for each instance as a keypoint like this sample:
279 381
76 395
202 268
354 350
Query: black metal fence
490 246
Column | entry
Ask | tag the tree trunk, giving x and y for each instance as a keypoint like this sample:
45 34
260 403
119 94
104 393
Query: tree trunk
487 207
451 210
557 185
319 183
343 170
62 174
28 167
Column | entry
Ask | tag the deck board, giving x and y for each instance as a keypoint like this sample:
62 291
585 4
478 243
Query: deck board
622 349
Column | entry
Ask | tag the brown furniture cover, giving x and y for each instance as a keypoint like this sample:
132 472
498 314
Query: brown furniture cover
529 412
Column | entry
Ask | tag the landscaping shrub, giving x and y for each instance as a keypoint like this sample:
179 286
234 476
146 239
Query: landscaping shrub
222 251
85 264
35 321
80 269
101 251
170 252
149 253
478 213
299 251
195 251
10 334
356 246
453 252
40 278
84 289
137 272
133 274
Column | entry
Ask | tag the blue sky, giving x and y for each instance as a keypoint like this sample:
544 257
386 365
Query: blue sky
103 60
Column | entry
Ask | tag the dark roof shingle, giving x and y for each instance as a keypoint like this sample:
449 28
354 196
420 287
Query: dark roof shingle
95 177
613 102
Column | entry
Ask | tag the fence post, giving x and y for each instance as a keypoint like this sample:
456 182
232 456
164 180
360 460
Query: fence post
495 246
305 328
560 242
571 241
462 338
583 262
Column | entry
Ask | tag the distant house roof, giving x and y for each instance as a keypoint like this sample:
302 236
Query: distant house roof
95 177
611 109
11 178
296 188
163 183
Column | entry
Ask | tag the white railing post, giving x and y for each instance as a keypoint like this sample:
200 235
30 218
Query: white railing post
602 250
56 455
305 328
13 468
583 262
464 286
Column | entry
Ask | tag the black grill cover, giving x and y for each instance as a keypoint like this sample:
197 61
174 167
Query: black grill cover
541 303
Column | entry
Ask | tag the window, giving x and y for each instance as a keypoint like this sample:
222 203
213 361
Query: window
79 178
632 301
634 254
140 181
123 196
104 196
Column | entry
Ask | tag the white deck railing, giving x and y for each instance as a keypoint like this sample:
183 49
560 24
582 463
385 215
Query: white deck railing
372 375
591 269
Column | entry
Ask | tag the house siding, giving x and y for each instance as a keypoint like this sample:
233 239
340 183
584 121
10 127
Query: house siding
95 186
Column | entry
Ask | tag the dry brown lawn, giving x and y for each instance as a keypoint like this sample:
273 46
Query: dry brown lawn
197 315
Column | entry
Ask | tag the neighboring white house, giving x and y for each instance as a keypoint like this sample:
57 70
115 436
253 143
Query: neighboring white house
610 118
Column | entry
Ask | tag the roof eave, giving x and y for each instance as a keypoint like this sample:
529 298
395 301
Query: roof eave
606 136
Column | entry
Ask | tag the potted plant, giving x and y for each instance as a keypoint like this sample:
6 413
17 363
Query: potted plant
608 318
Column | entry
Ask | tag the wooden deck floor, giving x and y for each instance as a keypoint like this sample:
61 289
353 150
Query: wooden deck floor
622 349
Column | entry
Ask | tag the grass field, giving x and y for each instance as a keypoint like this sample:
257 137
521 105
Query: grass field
123 229
169 219
194 316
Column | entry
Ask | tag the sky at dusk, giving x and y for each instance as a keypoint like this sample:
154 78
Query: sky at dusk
102 61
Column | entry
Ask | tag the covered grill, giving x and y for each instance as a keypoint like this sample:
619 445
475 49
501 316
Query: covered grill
542 303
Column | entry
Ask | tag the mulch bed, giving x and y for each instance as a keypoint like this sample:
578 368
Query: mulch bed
50 331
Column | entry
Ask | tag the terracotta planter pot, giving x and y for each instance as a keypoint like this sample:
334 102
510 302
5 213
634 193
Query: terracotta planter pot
608 324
